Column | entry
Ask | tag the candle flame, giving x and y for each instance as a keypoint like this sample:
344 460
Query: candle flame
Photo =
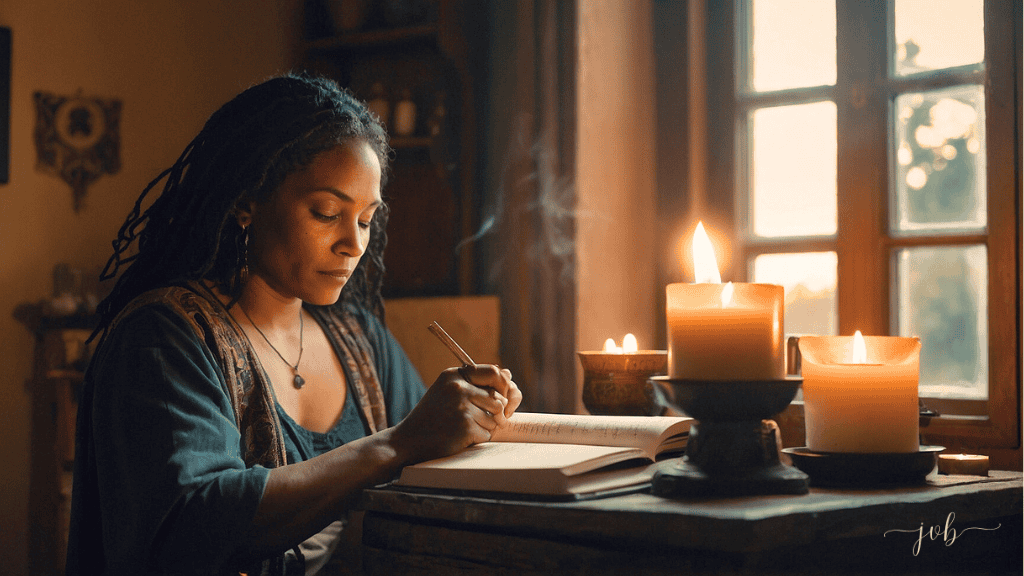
727 291
705 267
629 343
610 347
860 350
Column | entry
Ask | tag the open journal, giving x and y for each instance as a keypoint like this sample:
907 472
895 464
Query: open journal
558 456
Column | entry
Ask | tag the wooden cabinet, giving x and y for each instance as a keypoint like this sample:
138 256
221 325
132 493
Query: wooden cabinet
430 53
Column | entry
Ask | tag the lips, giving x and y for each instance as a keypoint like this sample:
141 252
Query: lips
342 274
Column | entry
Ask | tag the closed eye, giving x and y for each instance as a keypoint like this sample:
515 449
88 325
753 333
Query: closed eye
324 217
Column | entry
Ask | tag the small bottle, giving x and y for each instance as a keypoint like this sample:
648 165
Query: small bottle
405 115
436 123
441 153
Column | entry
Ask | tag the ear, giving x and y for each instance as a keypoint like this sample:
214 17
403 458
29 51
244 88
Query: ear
243 212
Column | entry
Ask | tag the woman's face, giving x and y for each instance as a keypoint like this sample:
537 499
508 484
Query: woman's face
305 241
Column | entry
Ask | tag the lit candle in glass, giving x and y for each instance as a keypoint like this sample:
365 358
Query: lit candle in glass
860 393
721 331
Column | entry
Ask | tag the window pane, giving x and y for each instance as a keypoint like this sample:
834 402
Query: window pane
935 34
940 160
809 279
943 299
793 44
793 170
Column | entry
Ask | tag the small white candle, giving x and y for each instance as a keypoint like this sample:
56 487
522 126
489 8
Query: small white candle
723 331
611 348
629 345
865 404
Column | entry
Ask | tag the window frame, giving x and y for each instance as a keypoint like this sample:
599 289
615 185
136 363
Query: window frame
863 93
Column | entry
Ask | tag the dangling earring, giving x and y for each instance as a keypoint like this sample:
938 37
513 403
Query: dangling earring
242 250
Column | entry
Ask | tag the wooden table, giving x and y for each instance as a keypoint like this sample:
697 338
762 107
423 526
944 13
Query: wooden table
964 524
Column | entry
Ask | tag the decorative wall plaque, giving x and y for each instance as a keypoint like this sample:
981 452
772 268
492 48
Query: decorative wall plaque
78 139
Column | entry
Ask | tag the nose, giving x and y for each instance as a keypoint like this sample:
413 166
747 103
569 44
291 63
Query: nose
351 239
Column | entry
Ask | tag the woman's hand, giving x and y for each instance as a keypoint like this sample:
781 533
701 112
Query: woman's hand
461 408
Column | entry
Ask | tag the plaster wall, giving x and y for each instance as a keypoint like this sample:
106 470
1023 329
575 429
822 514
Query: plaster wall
171 63
616 282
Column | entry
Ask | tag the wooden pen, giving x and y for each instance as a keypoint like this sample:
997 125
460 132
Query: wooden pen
451 344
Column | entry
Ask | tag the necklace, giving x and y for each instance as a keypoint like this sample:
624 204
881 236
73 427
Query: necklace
299 381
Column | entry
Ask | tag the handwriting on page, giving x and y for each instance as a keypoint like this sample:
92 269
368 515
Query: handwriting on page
564 432
605 431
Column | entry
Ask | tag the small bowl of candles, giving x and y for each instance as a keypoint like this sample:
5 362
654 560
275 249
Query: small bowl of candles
616 379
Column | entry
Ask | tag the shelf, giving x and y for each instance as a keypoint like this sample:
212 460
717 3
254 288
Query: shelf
374 38
430 59
410 142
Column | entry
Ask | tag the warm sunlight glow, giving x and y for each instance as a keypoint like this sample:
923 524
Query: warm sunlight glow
727 295
917 178
939 34
793 170
810 280
629 343
860 351
705 267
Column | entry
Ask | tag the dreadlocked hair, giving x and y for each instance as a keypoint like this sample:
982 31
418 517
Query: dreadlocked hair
243 153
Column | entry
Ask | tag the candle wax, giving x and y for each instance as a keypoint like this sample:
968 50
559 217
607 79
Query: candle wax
740 340
861 408
970 464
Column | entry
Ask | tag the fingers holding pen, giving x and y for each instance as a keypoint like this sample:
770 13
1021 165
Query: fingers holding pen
512 393
488 376
483 395
483 375
499 381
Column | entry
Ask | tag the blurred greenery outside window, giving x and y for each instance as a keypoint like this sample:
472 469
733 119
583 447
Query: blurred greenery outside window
875 174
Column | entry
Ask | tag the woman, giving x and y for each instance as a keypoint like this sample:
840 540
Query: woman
245 390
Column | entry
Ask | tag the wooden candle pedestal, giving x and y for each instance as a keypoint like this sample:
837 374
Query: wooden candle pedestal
733 449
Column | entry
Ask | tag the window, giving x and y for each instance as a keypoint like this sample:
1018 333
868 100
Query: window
868 156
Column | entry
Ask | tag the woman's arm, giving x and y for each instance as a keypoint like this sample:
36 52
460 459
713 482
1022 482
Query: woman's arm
171 486
175 493
459 409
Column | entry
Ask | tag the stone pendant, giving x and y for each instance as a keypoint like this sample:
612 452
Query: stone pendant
299 381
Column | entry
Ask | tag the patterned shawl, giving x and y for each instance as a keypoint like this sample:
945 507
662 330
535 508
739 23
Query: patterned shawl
251 392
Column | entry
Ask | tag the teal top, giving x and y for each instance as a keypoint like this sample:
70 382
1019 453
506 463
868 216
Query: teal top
160 481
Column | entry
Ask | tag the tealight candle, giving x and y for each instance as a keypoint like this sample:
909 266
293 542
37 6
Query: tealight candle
723 331
860 393
629 345
969 464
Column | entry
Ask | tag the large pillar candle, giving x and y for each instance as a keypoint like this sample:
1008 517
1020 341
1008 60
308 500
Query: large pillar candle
715 337
723 331
861 405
